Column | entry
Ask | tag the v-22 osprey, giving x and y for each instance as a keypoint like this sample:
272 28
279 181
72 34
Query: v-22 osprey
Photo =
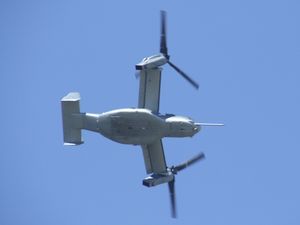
143 125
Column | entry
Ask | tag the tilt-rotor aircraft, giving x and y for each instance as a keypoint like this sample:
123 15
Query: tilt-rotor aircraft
143 125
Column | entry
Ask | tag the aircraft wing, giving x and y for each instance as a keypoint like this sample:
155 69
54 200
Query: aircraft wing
154 157
149 91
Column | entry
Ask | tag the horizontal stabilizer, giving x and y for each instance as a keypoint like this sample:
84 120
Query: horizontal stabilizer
72 120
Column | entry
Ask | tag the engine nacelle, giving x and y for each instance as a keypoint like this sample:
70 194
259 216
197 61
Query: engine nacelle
151 62
156 179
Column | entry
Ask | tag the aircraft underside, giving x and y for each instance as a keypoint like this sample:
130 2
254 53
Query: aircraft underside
144 125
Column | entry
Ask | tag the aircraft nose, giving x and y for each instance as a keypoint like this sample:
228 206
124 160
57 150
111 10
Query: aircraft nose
197 127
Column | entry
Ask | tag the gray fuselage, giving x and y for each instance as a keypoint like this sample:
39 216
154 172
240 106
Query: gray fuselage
138 126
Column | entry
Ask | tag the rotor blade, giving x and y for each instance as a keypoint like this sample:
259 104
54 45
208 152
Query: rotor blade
172 197
163 36
185 76
189 162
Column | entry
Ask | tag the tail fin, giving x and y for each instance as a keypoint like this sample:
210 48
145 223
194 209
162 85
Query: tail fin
72 120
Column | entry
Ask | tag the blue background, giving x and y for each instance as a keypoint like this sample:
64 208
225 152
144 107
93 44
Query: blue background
245 56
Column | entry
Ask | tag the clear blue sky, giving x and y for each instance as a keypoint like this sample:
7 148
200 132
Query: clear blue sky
245 56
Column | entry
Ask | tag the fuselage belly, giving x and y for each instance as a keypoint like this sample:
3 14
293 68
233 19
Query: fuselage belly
138 126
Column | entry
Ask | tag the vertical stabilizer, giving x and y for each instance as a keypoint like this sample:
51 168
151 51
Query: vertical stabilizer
72 119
